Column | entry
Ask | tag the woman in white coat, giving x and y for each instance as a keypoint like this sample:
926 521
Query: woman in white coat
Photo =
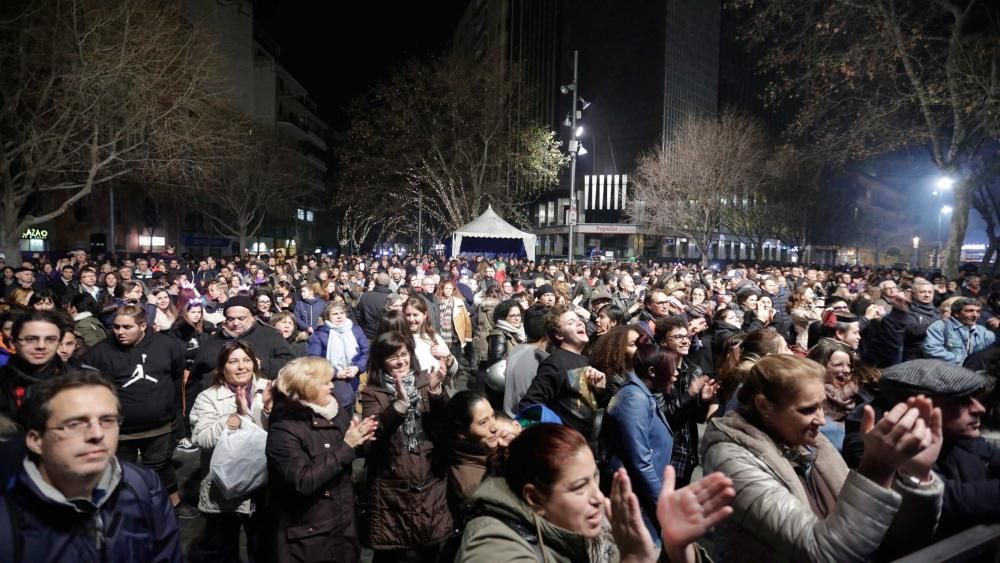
239 396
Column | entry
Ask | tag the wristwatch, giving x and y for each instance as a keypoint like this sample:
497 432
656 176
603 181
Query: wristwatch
912 481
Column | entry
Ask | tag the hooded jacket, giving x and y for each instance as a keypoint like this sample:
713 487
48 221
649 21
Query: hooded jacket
773 521
145 375
308 313
16 379
491 535
130 519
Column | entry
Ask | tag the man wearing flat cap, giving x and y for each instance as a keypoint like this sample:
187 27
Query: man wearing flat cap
24 276
969 464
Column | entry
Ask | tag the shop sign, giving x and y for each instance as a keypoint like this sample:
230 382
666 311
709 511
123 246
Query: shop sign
37 234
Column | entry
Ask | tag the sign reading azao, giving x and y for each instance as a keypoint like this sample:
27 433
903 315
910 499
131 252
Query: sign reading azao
38 234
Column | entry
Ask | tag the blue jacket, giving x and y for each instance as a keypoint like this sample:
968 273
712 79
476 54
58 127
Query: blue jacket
308 313
344 390
947 340
134 522
640 440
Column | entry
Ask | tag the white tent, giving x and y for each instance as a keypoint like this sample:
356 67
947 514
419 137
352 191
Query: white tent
490 225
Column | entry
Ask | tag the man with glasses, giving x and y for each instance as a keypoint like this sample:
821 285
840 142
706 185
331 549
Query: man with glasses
689 399
656 306
72 499
899 335
36 338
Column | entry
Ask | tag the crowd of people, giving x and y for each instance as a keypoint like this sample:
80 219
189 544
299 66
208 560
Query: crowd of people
491 409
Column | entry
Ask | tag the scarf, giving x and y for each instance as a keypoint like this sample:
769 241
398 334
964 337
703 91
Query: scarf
247 390
412 429
516 332
840 399
803 459
329 412
341 346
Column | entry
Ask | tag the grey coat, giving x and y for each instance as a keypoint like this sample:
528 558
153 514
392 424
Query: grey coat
773 521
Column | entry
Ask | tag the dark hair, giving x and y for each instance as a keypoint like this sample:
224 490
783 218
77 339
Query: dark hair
227 350
608 353
84 303
458 415
394 321
667 324
552 316
615 314
385 345
537 457
503 309
36 410
418 303
52 317
40 295
662 361
534 323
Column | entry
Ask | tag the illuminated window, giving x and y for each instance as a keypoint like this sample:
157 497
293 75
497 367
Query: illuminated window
152 243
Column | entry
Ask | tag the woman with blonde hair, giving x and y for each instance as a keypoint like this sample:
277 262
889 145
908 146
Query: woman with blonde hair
311 444
796 500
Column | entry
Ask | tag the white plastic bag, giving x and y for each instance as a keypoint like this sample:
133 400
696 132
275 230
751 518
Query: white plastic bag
239 464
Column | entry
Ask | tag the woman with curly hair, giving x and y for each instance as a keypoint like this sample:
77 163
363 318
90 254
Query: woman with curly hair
612 354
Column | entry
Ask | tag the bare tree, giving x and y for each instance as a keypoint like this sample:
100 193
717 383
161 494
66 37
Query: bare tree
93 90
269 180
443 131
688 184
866 77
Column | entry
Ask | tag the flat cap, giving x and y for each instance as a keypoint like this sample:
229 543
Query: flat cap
929 377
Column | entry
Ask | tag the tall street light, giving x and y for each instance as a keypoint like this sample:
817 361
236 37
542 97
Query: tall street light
575 148
916 251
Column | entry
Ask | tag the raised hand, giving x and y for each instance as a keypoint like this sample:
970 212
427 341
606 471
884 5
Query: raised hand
709 390
920 465
435 378
596 378
241 401
686 514
440 351
401 395
901 435
627 527
361 431
268 395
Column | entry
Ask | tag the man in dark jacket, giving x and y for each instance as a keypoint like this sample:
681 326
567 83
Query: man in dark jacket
968 463
240 324
73 501
779 300
36 336
371 306
565 382
899 336
146 367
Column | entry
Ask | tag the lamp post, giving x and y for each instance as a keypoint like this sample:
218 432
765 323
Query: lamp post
575 148
916 251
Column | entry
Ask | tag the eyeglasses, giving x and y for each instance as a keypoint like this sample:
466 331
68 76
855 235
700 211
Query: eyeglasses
80 426
680 337
33 340
660 302
402 356
264 302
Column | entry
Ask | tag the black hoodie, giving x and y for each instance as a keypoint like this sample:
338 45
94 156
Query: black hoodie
17 378
145 374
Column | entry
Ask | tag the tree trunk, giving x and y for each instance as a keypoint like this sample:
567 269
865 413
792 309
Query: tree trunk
705 247
956 230
991 248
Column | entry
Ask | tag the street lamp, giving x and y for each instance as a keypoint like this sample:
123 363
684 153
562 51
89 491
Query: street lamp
943 183
575 148
916 250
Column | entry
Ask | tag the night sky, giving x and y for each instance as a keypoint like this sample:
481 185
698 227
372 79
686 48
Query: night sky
338 50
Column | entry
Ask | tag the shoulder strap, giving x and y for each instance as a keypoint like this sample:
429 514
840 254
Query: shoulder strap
11 542
136 482
520 527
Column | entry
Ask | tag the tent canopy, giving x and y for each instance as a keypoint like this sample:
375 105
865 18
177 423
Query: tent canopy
489 225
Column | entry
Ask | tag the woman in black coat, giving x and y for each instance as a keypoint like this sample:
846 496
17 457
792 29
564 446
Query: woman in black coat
311 443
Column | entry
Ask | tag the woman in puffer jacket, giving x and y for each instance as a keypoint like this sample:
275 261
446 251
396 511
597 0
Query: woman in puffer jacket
344 344
796 499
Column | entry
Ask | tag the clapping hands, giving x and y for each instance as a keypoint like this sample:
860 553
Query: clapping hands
684 515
